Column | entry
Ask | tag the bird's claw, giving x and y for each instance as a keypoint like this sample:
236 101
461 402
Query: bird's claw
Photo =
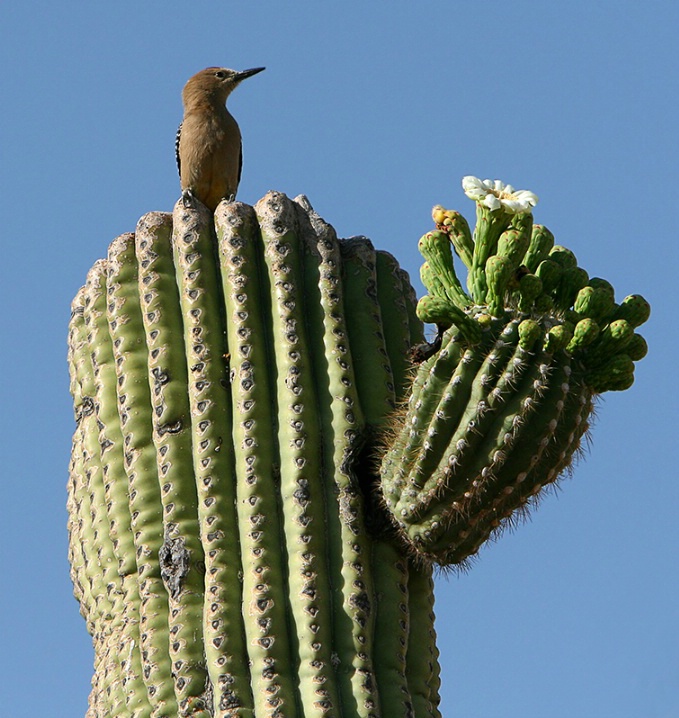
188 199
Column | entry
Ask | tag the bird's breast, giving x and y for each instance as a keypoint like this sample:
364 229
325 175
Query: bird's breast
209 150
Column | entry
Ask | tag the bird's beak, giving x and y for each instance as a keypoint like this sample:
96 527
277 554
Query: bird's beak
247 73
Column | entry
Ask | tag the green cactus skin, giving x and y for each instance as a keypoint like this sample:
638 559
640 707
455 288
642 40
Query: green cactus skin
299 441
395 298
515 240
563 256
530 288
635 309
342 416
422 658
486 236
435 248
261 480
370 332
498 275
93 457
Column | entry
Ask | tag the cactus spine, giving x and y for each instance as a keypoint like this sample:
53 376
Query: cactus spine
262 477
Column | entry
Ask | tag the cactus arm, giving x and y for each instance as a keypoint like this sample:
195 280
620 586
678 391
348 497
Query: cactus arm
213 459
489 473
182 553
399 456
440 393
248 322
504 430
523 477
116 490
136 421
468 388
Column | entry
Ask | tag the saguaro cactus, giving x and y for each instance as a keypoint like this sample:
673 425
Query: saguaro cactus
264 470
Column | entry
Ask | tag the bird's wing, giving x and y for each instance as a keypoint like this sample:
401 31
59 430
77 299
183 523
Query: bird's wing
176 149
240 162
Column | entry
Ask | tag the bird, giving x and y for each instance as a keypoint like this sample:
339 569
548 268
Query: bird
208 145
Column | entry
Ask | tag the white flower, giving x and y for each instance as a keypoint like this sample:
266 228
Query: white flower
495 194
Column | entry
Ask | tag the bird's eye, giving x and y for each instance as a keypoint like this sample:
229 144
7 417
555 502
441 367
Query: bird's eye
221 75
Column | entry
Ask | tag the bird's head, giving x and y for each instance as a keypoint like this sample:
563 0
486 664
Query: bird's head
215 83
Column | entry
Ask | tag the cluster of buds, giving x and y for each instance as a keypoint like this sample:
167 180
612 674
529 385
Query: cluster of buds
515 269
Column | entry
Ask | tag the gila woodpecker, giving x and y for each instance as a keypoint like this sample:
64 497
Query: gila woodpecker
208 146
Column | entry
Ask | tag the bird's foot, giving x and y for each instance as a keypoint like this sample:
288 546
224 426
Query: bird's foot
188 199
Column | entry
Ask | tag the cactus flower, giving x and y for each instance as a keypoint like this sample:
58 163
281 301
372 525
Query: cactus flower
495 194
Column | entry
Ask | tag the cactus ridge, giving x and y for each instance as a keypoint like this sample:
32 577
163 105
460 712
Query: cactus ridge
299 439
377 330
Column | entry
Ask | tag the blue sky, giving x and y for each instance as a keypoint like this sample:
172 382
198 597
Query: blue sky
375 111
